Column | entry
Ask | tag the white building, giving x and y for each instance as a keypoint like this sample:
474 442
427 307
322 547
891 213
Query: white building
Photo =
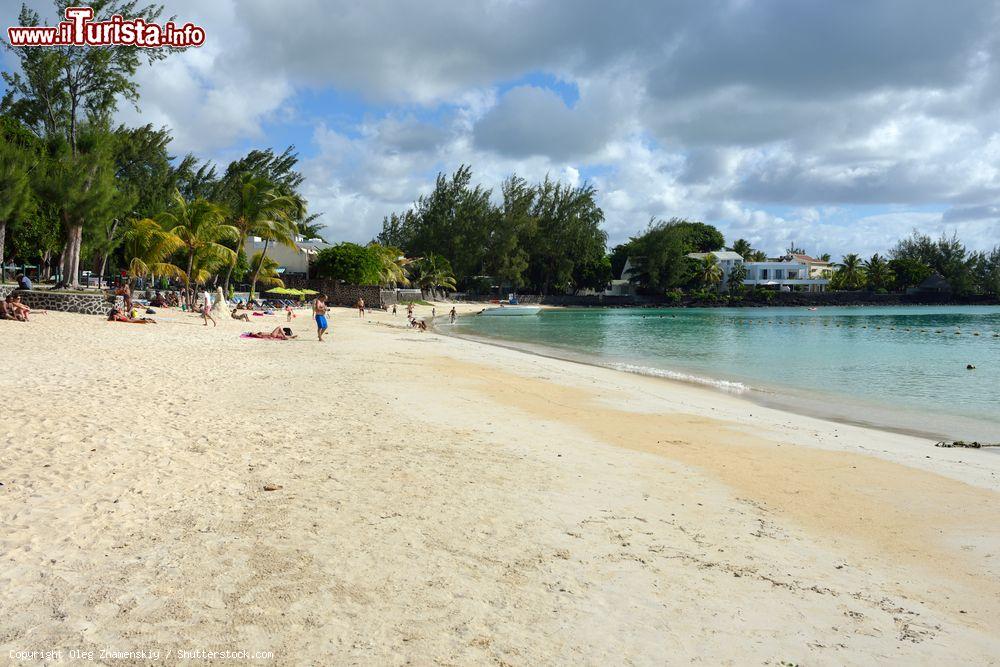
727 260
624 285
784 274
291 261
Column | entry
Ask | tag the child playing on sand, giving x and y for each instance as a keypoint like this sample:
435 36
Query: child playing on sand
361 307
206 313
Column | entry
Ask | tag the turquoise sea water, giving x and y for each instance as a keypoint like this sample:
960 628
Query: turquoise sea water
902 368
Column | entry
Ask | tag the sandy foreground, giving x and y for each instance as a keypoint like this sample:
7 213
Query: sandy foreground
448 502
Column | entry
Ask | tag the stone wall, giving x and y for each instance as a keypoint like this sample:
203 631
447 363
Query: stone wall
339 294
87 303
388 297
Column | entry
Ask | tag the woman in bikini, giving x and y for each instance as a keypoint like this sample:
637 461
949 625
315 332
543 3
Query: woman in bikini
277 334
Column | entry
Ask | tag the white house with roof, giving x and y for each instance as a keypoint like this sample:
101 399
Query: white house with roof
291 261
784 274
727 260
818 268
623 286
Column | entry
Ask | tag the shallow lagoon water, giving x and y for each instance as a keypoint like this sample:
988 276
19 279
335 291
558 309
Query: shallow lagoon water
902 368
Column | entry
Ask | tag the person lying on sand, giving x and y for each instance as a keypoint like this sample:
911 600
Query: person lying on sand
236 315
277 334
116 315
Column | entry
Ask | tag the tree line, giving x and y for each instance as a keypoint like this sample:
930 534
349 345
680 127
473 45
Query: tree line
77 192
659 263
540 237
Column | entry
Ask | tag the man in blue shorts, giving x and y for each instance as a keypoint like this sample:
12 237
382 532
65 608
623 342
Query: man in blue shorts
319 312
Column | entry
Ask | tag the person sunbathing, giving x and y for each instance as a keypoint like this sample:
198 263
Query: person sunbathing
19 310
116 315
7 311
236 315
277 334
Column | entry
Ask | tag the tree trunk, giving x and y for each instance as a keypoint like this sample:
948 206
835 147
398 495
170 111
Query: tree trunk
229 269
253 281
187 282
66 262
105 255
75 257
3 238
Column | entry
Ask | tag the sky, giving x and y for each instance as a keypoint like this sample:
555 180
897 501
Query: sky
837 126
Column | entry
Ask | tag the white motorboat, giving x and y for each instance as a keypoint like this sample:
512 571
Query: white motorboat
511 310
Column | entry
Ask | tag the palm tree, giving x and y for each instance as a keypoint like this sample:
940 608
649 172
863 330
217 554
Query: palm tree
737 275
277 231
742 248
268 275
309 230
709 271
432 272
147 247
200 227
825 257
259 207
878 272
850 273
394 263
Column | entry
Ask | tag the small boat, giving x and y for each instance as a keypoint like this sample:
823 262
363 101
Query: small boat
511 310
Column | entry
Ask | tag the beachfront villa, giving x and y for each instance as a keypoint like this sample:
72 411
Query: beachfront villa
785 274
727 260
291 261
818 268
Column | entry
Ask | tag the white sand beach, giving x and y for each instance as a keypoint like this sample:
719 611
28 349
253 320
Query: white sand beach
441 501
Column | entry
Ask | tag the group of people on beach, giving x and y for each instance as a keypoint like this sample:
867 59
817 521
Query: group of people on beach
11 308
